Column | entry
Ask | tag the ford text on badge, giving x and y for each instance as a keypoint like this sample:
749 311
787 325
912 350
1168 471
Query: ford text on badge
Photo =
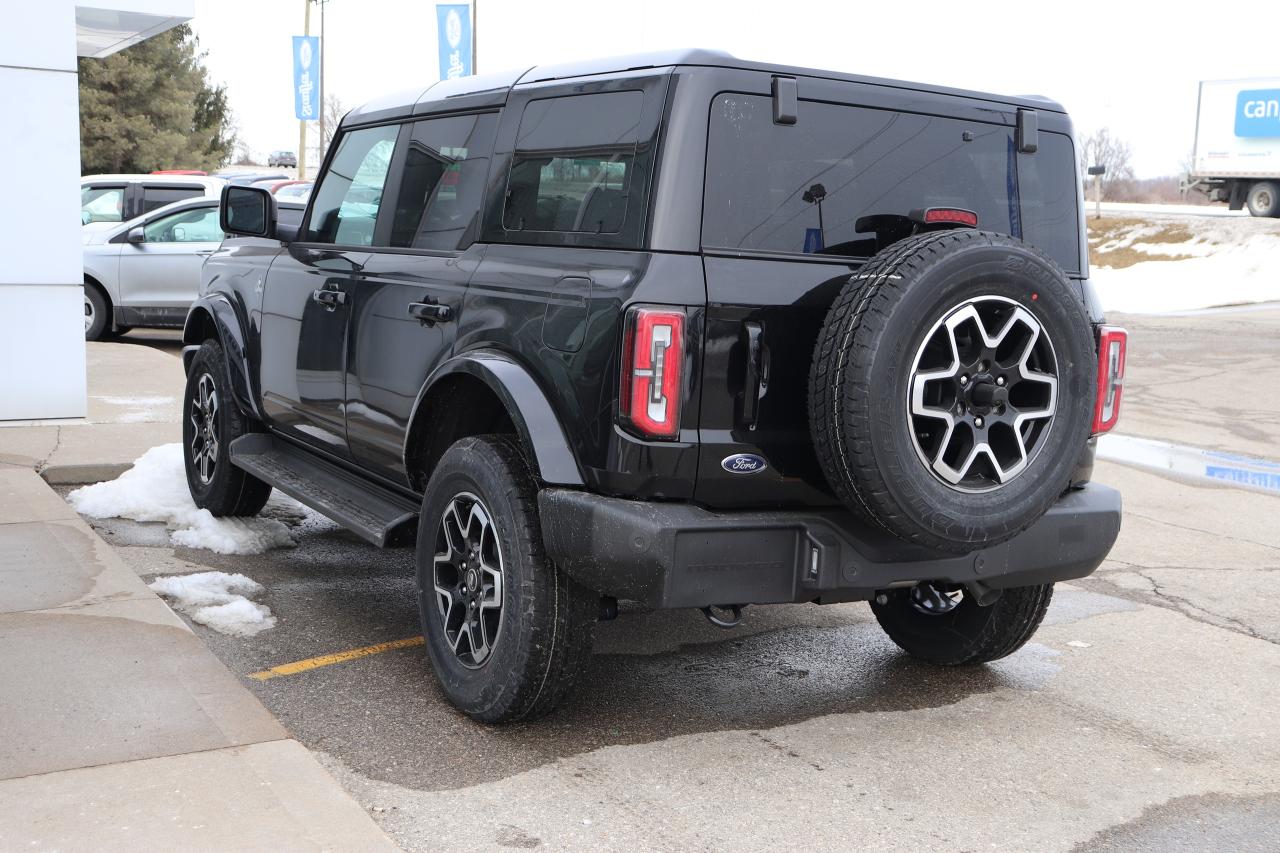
743 463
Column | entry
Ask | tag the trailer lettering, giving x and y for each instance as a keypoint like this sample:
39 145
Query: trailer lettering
1258 113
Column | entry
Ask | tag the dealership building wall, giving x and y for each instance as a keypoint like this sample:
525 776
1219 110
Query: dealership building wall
42 349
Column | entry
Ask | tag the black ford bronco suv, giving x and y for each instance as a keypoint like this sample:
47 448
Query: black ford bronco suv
680 330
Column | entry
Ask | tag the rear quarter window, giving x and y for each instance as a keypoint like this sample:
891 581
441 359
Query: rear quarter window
804 188
575 170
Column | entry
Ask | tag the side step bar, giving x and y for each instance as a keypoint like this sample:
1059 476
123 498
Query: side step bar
372 512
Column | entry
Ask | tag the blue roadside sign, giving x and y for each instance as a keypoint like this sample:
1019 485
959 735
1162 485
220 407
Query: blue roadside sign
306 78
454 20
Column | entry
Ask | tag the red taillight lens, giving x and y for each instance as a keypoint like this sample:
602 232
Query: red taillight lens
1112 343
652 363
953 215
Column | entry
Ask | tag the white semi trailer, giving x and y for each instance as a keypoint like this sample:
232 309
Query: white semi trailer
1236 157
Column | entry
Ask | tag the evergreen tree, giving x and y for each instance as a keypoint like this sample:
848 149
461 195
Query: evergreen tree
151 106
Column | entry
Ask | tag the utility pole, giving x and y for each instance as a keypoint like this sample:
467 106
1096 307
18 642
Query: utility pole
324 48
302 124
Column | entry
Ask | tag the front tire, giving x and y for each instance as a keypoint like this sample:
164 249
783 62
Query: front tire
97 313
949 628
211 420
507 632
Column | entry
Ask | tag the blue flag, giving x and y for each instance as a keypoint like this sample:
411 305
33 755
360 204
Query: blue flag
306 78
455 40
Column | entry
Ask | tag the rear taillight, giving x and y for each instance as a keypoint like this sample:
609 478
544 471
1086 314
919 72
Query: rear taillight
1112 342
652 362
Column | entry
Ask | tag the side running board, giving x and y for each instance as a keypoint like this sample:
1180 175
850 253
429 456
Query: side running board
372 512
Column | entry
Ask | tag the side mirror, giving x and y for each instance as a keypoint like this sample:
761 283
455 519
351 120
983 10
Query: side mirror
85 217
137 235
247 212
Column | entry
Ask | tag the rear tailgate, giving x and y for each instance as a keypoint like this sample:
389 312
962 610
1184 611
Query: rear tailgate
780 237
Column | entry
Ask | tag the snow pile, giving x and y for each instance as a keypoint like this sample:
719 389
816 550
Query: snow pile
1220 262
218 600
155 489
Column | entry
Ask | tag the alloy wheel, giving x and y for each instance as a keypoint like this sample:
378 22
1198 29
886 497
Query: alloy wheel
89 314
982 394
468 579
205 442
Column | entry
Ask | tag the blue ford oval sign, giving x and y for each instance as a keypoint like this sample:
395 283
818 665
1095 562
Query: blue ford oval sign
743 463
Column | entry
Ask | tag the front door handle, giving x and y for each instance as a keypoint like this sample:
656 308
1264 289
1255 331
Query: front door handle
330 298
430 313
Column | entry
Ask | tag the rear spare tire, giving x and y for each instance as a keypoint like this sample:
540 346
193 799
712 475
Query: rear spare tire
952 388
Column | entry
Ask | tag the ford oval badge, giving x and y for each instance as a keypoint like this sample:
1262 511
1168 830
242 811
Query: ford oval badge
744 463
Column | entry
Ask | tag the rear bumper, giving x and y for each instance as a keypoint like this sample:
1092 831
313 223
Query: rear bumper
666 555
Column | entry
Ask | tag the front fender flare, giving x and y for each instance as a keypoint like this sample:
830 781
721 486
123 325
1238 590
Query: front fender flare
530 410
216 309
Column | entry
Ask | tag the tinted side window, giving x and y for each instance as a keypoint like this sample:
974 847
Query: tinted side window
346 202
445 168
804 187
153 197
573 166
101 203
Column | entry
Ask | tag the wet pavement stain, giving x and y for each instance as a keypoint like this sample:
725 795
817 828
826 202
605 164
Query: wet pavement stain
1196 825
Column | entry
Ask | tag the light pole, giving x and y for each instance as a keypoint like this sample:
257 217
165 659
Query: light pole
302 123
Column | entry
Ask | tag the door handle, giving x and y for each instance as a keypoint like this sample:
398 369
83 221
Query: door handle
756 382
330 298
205 252
431 312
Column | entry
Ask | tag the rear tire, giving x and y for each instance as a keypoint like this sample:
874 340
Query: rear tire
967 634
97 313
211 420
507 631
1264 199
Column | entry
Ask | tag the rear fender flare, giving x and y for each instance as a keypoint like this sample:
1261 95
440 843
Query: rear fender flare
535 421
215 310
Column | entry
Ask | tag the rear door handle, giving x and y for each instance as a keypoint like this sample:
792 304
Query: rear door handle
430 313
330 298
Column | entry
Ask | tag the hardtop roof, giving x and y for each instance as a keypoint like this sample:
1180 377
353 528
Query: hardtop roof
666 59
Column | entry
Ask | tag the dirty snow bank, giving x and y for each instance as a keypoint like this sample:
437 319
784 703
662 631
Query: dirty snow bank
1219 274
218 600
155 489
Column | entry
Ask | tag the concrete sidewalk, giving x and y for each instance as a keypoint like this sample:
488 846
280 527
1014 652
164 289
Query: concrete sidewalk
135 403
121 730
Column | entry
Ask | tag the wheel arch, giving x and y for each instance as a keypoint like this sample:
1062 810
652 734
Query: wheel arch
213 316
486 391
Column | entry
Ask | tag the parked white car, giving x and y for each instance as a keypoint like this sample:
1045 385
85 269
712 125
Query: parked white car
119 198
146 272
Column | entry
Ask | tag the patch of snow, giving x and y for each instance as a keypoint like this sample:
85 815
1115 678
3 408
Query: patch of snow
1233 274
155 489
1078 644
218 600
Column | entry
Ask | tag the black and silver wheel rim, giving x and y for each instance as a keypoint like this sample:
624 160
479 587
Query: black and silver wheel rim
468 579
1263 199
982 394
89 314
205 440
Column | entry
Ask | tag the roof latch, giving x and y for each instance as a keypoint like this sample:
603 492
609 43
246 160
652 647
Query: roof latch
786 100
1028 131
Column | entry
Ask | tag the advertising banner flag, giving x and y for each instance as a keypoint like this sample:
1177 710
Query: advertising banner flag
306 78
455 40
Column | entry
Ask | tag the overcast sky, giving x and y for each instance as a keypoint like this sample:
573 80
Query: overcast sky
1131 66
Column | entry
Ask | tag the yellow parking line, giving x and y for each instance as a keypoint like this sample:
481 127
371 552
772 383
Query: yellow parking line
337 657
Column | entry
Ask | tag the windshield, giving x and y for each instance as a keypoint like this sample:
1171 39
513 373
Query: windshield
829 183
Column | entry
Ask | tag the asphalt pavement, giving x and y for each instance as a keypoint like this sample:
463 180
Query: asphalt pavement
1141 717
